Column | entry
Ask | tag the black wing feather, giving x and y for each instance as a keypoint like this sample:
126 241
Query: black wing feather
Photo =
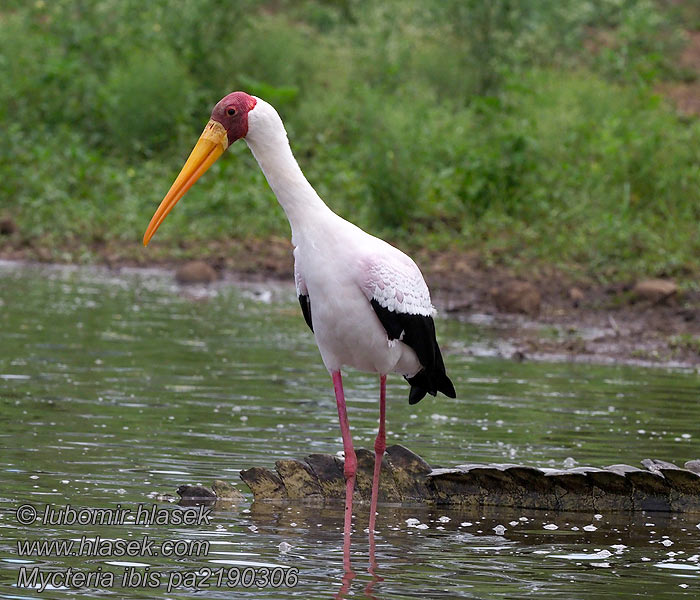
305 303
418 333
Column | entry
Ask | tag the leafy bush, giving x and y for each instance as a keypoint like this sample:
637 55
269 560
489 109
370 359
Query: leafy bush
526 130
144 101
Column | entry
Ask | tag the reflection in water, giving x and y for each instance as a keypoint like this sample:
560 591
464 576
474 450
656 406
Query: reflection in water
114 388
346 580
485 542
373 569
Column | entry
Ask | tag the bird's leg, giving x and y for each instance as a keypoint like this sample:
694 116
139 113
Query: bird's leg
350 465
379 447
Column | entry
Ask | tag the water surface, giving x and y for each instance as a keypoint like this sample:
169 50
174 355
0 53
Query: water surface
118 386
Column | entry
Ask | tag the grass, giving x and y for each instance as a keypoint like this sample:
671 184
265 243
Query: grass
527 132
685 342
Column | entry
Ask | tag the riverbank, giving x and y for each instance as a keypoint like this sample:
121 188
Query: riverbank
541 314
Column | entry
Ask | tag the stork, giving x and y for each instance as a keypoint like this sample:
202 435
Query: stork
365 301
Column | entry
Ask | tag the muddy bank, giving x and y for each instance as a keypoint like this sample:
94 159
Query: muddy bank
547 314
551 315
541 314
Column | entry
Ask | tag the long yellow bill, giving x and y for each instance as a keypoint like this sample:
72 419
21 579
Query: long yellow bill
210 146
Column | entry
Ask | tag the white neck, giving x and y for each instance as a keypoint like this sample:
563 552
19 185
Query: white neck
267 140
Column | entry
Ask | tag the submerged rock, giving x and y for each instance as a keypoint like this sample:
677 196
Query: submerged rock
198 494
265 483
406 477
225 491
195 494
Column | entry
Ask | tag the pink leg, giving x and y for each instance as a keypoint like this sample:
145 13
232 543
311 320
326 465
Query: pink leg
350 466
379 447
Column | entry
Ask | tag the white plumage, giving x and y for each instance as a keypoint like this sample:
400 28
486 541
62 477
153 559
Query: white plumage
339 266
396 283
366 301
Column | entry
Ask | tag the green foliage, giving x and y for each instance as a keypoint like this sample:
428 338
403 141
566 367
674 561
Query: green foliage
278 96
144 100
530 131
685 341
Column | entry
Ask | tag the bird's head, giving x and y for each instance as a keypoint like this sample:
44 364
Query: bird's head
228 123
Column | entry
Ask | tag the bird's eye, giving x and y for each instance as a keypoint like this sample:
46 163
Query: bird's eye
231 112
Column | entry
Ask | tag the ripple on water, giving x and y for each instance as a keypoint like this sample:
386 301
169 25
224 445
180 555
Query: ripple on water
117 386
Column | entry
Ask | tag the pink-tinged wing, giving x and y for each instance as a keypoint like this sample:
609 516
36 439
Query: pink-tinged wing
395 283
399 296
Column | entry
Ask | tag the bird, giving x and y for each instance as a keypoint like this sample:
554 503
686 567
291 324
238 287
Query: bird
365 301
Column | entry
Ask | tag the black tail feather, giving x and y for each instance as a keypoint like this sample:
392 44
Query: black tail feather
431 381
418 332
425 382
416 394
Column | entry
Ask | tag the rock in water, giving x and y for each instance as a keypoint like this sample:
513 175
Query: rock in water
225 491
196 271
264 483
298 479
195 492
406 477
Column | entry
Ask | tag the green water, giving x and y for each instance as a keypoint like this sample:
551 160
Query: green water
116 386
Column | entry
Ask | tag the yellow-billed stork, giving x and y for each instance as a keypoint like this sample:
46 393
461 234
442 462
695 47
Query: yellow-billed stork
365 301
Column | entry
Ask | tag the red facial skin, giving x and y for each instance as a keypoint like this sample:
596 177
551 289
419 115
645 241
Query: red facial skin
236 124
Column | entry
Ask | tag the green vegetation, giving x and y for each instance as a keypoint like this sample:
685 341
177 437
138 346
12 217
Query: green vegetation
527 131
686 342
